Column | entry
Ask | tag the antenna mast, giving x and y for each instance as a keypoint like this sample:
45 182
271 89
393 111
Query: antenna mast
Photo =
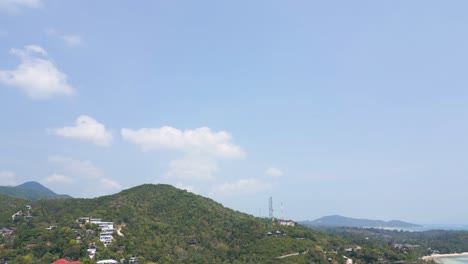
270 212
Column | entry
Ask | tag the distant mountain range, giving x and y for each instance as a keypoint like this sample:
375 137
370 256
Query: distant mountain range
338 220
31 191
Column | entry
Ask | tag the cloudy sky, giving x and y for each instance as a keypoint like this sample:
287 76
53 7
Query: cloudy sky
358 108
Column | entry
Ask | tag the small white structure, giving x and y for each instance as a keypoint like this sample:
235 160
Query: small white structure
107 261
91 252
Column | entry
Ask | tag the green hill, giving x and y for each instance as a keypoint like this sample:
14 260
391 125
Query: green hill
163 224
31 191
338 220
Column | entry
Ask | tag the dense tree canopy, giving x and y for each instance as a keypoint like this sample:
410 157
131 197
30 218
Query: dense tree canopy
162 224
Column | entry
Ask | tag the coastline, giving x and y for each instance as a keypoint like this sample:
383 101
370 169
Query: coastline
453 255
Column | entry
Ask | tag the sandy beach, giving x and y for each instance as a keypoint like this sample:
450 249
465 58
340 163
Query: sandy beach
464 254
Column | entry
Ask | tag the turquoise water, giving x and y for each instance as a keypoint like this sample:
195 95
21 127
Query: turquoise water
457 260
442 227
434 227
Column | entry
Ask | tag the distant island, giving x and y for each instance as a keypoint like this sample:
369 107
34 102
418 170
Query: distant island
31 191
342 221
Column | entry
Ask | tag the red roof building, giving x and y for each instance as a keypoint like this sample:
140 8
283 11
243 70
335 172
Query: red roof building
64 261
60 261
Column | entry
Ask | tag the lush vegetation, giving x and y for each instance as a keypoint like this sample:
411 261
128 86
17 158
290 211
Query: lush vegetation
162 224
31 191
413 244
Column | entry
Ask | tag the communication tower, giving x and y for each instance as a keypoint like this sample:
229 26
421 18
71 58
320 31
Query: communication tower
282 211
270 212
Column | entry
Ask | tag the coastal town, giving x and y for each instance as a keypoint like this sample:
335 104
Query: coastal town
103 231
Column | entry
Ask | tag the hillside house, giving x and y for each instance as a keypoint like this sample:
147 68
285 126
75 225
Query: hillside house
88 219
95 220
106 238
5 231
107 261
286 222
107 229
106 226
91 252
89 232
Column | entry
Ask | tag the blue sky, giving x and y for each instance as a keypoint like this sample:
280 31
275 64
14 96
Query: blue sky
356 109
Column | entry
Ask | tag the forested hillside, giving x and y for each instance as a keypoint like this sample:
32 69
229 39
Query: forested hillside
31 191
162 224
417 244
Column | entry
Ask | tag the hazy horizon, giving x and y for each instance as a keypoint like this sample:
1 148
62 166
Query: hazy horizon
357 108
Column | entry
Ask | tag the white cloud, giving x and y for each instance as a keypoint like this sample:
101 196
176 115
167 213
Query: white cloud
36 75
58 178
87 129
192 169
273 172
13 6
199 141
241 186
201 148
7 178
72 40
84 168
88 178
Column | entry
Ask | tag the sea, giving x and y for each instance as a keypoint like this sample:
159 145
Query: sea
430 227
452 260
440 227
449 260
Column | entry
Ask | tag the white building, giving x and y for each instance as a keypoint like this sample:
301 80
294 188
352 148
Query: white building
106 226
107 261
286 222
106 238
107 229
95 220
